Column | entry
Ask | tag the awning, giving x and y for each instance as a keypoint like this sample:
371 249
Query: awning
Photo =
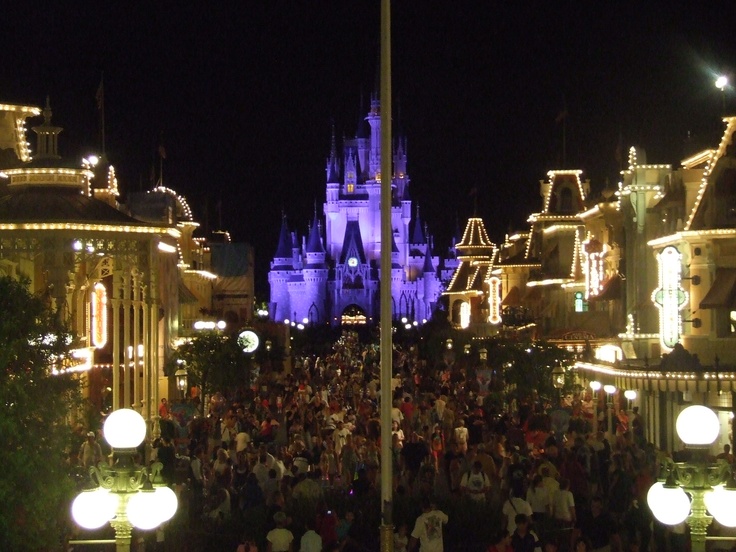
723 291
186 295
513 298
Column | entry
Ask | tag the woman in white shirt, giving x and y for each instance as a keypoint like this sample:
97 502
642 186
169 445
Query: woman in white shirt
563 504
538 498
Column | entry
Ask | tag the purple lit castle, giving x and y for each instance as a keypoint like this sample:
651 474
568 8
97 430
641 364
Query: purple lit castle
331 274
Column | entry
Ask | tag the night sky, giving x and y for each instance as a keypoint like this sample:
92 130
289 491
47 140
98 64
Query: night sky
243 94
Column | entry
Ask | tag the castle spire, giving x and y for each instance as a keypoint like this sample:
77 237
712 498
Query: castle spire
283 251
333 171
417 236
314 242
428 266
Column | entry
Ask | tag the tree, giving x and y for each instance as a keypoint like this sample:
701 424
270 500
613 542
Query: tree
527 366
35 489
214 362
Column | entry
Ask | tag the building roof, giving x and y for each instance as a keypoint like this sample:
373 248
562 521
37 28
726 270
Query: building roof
46 205
314 241
283 250
352 243
475 241
418 235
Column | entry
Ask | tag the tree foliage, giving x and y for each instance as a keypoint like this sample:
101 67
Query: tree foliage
35 488
527 366
214 362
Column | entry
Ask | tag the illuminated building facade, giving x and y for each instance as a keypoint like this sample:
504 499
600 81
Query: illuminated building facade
331 274
101 269
122 276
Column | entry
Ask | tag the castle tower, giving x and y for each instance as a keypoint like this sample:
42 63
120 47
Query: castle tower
282 267
315 275
374 119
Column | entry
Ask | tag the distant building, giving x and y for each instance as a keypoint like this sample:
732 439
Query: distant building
331 274
129 279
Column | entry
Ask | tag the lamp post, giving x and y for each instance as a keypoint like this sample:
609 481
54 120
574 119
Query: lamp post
125 495
698 427
595 386
181 381
721 84
630 395
610 390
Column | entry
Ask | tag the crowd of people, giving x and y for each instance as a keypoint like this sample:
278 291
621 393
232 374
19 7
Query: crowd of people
294 464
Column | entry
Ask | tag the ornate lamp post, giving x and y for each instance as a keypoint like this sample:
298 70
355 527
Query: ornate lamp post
610 390
181 381
697 427
558 377
595 386
125 495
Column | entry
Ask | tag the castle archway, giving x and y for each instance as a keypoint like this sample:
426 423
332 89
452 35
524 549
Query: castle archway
353 315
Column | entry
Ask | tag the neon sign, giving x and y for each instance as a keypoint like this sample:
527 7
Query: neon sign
99 315
669 297
593 268
494 300
464 314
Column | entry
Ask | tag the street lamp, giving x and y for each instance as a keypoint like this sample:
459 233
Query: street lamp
698 427
558 377
721 84
610 390
181 381
595 386
125 495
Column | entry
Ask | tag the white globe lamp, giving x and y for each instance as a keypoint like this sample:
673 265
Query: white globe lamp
143 510
697 426
720 503
124 429
166 501
670 505
93 509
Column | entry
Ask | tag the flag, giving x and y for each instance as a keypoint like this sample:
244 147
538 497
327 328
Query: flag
162 151
100 95
473 191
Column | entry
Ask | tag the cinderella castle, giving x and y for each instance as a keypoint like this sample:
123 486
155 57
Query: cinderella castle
331 274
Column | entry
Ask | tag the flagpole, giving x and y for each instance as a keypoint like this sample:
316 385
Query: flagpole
100 96
386 315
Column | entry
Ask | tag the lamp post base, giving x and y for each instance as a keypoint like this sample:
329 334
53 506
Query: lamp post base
387 538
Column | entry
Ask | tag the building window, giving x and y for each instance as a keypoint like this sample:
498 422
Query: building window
581 305
351 188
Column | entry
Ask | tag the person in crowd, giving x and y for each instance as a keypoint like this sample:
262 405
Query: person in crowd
513 506
475 484
563 506
90 453
523 538
538 498
427 532
501 542
280 539
310 541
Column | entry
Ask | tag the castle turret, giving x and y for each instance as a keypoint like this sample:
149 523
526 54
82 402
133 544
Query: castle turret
278 277
417 237
401 177
374 119
315 275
